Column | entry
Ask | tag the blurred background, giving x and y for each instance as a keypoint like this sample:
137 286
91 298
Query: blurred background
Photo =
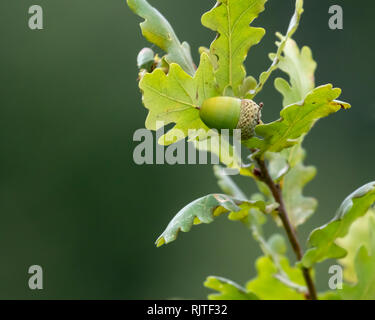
71 198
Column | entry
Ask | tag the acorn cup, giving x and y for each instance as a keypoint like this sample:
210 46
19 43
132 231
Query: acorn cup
231 113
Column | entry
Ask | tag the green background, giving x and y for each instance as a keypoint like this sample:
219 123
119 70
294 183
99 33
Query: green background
71 198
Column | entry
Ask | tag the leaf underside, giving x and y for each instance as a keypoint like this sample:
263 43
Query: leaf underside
204 210
322 241
300 66
157 30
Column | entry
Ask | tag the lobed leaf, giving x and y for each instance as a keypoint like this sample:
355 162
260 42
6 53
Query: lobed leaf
296 154
299 207
296 120
361 233
300 66
231 20
174 98
228 290
267 285
277 57
364 289
322 241
277 165
204 210
157 30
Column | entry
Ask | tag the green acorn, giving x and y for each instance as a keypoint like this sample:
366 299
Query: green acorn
231 113
146 59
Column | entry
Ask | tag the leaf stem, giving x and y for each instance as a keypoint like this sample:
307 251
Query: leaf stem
291 233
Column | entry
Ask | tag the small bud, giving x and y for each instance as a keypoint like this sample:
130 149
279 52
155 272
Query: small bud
145 59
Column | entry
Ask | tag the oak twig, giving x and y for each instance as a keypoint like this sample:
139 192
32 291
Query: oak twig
291 233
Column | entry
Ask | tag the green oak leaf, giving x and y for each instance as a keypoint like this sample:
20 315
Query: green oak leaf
278 165
361 233
284 40
174 98
212 56
364 263
296 154
298 206
204 210
157 30
248 85
277 244
268 286
296 120
227 290
231 20
322 240
300 66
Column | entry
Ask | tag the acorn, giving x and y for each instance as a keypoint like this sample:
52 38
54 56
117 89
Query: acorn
146 59
231 113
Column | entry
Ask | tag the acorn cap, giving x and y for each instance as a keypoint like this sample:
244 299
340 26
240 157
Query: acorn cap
249 118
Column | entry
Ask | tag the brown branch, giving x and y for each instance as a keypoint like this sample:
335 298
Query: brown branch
291 233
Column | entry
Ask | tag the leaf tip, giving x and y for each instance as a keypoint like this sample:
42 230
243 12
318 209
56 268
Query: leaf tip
343 105
160 241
